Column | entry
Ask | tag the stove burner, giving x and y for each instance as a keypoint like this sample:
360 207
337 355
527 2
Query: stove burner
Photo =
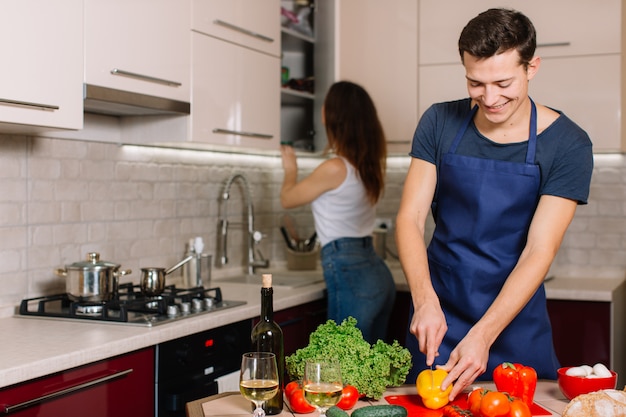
130 306
89 310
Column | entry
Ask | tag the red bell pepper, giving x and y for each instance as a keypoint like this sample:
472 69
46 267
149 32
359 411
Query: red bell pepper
518 380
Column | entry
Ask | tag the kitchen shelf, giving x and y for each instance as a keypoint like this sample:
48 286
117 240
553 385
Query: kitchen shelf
294 35
297 106
288 92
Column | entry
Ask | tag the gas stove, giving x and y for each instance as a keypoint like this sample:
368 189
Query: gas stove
130 306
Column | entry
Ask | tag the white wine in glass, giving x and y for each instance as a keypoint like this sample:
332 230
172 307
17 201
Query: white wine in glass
322 384
258 379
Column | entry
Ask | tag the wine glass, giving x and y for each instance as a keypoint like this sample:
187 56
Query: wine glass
322 384
258 379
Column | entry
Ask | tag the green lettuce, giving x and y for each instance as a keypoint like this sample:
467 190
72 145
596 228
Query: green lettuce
369 368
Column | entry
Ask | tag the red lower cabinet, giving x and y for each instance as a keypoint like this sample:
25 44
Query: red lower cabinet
121 386
581 331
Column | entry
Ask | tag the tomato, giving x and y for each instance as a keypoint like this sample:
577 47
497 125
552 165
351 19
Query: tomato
494 404
298 404
474 399
291 387
519 408
349 397
455 411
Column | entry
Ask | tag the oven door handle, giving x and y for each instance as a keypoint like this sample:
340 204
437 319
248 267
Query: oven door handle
8 409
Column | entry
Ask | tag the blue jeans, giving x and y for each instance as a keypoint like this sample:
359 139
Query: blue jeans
359 284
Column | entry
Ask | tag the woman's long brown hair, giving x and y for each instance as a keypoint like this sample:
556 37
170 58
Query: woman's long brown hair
355 133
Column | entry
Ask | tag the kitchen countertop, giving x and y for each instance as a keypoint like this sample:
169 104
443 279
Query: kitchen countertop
558 287
547 395
39 347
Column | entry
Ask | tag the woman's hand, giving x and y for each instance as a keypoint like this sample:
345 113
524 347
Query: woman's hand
288 155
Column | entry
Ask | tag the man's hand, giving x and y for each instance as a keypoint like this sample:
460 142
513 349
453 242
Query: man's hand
429 327
467 362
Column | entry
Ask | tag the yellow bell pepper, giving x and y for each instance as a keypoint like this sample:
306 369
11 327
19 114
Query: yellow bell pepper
429 388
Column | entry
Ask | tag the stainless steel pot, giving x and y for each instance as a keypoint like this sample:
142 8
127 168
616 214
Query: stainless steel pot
153 278
93 279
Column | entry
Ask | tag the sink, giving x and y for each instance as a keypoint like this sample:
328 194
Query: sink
291 279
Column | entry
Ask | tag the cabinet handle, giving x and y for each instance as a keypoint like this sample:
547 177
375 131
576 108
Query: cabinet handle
243 30
7 409
553 44
29 104
117 71
236 132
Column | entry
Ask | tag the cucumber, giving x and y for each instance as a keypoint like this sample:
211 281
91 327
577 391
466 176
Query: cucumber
335 411
380 411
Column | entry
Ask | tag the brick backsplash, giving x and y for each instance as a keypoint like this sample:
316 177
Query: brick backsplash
138 206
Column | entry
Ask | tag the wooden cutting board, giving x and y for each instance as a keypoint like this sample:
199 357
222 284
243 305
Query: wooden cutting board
232 404
415 407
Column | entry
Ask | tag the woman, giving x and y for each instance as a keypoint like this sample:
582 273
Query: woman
343 192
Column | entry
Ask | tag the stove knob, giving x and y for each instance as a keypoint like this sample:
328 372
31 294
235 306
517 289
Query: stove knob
208 303
172 310
196 305
185 307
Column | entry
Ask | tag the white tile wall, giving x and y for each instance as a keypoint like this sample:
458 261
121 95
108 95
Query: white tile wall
60 199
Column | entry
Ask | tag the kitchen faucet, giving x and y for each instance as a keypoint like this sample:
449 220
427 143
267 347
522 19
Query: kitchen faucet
254 236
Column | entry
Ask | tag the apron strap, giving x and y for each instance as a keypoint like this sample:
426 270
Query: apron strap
462 129
532 138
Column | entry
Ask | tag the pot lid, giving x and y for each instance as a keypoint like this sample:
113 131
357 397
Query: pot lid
93 262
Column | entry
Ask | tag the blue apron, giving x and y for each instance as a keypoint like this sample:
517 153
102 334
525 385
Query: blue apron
482 213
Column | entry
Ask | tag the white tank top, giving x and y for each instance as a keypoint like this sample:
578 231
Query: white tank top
344 211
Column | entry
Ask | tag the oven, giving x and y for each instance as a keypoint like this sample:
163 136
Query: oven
188 368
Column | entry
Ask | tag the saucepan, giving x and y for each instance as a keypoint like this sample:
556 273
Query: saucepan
153 278
92 279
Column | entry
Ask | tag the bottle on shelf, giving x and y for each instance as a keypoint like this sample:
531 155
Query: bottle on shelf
267 336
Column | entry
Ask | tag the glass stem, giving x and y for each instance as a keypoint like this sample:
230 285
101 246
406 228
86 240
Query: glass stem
259 412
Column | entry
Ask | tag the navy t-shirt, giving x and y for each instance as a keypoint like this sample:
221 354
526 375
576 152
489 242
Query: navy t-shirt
564 151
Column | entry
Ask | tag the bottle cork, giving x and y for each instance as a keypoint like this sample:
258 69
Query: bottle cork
267 280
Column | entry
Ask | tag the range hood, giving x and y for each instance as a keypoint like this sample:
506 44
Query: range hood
108 101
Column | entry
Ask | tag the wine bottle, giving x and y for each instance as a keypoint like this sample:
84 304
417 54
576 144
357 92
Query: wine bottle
267 336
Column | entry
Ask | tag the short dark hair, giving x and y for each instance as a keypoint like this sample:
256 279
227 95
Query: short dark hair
495 31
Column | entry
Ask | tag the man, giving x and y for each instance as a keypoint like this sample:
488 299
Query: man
502 176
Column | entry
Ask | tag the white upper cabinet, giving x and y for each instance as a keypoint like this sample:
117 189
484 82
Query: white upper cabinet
139 46
439 83
564 27
594 105
236 74
236 95
253 24
41 74
235 84
377 45
580 46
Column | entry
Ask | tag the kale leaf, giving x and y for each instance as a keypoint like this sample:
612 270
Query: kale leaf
369 368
